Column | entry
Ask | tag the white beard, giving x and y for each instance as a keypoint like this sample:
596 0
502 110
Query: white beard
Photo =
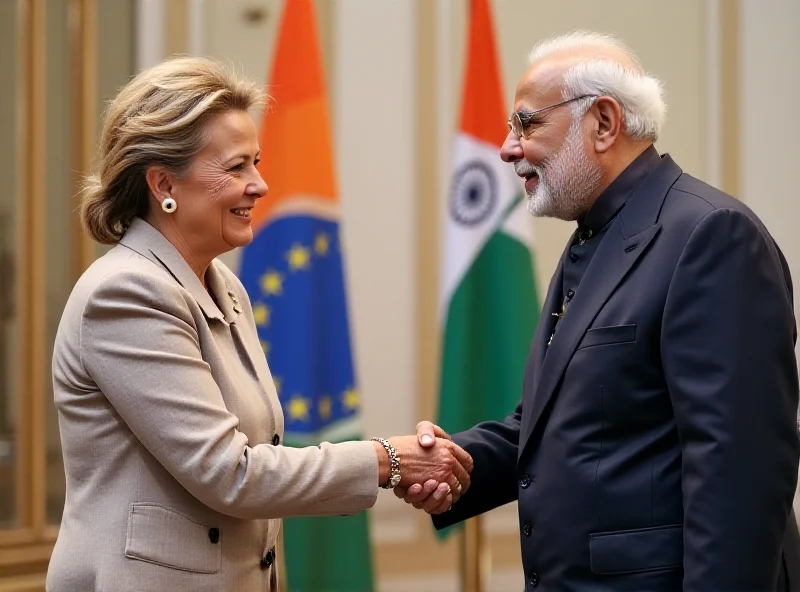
566 180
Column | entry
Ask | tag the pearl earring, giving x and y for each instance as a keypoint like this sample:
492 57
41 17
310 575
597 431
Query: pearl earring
169 205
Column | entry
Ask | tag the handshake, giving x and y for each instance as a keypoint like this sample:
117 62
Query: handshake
434 470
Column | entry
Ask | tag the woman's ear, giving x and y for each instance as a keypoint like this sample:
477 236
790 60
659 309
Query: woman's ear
608 114
159 182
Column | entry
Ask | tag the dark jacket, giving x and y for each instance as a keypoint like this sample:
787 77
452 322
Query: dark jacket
655 446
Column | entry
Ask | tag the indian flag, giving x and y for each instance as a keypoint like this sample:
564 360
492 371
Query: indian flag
488 301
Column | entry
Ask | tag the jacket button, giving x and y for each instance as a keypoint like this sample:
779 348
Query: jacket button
533 580
268 559
213 535
276 439
524 481
527 529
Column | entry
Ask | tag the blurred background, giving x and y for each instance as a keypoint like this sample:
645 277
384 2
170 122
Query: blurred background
394 71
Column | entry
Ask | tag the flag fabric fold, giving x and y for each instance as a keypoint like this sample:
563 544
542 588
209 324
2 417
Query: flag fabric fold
488 302
294 274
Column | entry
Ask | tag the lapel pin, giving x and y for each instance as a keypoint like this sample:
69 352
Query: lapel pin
236 308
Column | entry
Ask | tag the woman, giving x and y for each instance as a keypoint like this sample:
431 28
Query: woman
170 423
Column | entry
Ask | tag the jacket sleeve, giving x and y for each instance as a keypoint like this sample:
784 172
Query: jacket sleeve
728 339
494 448
140 346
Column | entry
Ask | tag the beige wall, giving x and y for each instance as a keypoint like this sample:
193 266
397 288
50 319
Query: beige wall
769 87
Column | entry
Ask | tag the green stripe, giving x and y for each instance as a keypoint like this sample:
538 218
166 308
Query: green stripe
490 323
488 332
328 553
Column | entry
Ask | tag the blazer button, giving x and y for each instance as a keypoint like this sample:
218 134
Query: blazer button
276 439
527 529
525 481
268 559
213 535
533 580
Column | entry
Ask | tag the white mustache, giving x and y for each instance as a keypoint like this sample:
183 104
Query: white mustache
523 168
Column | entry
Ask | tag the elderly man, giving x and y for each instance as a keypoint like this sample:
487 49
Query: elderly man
655 446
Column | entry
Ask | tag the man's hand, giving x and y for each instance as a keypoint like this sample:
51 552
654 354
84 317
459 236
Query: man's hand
434 496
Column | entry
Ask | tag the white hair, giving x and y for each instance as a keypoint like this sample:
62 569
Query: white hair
639 94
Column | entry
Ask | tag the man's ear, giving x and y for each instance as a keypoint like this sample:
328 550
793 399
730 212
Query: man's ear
608 126
159 182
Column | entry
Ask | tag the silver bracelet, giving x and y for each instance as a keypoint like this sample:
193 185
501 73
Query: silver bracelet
394 464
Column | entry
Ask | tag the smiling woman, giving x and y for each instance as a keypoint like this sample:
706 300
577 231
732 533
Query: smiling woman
213 199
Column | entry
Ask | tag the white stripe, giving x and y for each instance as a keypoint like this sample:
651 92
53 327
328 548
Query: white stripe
520 223
462 243
305 205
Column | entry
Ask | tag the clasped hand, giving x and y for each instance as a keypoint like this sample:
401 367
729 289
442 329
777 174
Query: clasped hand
435 470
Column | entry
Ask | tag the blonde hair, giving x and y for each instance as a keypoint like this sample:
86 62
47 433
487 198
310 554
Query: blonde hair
158 118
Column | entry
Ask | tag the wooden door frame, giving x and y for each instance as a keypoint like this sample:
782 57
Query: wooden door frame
25 550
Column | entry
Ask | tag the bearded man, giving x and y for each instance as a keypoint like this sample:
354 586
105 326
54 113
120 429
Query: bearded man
655 446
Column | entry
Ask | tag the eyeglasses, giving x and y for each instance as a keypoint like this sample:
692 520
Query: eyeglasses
518 120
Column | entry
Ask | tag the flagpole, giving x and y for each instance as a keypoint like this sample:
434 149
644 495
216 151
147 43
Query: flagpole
474 558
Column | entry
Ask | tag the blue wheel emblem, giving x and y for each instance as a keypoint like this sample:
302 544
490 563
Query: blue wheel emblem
474 193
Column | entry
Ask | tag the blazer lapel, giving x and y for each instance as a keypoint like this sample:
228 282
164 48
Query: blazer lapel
625 242
151 244
546 320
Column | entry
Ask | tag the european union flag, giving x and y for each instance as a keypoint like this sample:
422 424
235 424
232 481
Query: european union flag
293 273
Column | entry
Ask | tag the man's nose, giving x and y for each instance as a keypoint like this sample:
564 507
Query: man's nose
511 151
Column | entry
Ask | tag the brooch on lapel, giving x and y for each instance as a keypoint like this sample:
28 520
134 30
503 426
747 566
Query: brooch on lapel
558 315
236 308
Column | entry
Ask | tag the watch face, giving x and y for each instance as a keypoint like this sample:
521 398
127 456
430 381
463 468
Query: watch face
395 480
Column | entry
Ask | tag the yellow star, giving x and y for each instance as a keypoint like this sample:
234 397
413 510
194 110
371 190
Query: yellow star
277 382
265 347
322 244
272 283
351 399
261 314
299 257
298 407
325 407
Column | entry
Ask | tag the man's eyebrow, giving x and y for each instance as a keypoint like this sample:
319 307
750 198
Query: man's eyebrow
528 116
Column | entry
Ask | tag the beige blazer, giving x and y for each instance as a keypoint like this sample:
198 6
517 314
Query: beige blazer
170 428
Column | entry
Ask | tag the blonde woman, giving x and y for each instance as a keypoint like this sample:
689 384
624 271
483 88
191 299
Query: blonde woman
170 423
